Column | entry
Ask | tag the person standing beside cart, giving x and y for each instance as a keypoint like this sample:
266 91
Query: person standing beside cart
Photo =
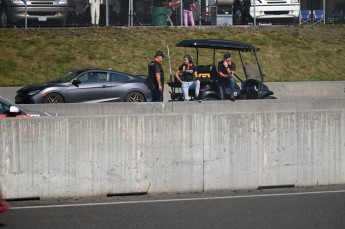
156 77
226 71
189 77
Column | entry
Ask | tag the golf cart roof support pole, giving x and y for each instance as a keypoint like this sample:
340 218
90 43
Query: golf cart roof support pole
171 80
214 56
197 56
258 63
239 53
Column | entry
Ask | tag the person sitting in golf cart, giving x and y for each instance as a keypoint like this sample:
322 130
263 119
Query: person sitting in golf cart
189 77
226 71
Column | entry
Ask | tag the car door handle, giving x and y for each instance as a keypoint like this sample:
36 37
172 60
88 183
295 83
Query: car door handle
104 86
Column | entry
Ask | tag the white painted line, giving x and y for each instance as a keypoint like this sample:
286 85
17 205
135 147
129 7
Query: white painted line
179 200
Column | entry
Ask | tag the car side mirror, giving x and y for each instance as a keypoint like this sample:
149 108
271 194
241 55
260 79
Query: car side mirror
14 109
76 82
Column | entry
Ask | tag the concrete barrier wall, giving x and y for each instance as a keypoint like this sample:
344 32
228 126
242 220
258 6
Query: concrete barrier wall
192 107
98 155
307 89
264 149
9 92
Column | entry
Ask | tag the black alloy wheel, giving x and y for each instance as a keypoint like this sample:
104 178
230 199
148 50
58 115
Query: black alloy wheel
135 97
53 98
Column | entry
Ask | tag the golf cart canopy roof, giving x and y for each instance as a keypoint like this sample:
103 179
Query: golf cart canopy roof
217 44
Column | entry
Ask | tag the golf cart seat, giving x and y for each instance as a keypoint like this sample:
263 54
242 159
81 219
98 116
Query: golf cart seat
207 73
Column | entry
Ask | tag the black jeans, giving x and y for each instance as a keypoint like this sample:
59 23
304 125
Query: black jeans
157 96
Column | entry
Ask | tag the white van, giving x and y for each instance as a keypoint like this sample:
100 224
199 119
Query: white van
37 11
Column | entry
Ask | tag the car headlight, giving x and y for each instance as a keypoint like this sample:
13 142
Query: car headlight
31 93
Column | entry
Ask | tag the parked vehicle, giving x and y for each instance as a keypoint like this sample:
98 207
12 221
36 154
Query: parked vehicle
87 86
4 206
9 109
244 11
252 87
38 11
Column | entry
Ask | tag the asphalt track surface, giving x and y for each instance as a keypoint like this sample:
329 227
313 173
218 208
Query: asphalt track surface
312 207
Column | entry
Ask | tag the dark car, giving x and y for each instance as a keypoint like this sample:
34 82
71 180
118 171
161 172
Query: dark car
4 206
87 86
9 109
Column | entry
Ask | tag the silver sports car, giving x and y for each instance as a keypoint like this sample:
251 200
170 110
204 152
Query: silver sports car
87 86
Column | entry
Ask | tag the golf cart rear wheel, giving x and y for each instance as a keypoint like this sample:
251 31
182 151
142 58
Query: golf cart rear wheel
209 98
269 97
135 97
53 98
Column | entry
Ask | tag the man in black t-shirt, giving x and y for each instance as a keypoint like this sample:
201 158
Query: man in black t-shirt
156 77
226 71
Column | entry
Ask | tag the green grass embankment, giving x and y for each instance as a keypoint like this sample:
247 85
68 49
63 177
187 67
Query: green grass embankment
288 53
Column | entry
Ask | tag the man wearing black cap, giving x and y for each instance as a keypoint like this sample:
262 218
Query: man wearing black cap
226 71
156 77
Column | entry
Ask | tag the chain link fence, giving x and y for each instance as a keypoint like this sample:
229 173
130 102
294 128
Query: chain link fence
85 13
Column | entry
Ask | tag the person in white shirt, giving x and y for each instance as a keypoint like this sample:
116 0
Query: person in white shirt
95 10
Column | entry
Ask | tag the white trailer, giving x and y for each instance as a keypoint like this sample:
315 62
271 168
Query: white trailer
244 11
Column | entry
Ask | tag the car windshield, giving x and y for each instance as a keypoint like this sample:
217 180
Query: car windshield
6 104
67 77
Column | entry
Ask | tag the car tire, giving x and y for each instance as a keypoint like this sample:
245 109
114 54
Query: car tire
3 18
53 98
135 97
